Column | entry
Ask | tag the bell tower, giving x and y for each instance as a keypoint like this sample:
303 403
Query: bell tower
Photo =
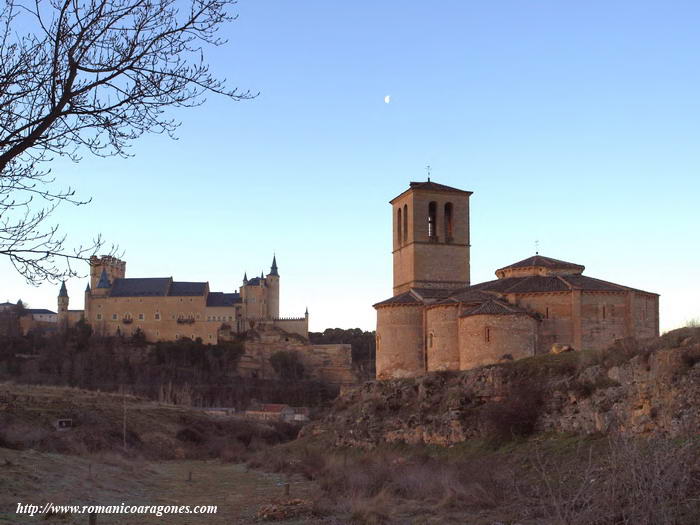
431 237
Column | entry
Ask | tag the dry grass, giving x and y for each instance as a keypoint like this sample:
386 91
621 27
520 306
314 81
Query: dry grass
557 480
153 430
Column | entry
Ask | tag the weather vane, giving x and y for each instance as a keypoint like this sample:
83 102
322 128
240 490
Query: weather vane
537 247
427 168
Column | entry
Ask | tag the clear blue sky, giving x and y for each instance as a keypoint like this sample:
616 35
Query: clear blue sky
574 123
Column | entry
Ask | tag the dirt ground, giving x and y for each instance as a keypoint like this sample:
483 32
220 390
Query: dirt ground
36 477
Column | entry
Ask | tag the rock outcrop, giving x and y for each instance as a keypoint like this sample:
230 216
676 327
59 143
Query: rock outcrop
632 388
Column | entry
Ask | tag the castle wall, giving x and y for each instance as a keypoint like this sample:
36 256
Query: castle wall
157 317
400 341
557 317
442 332
329 363
295 326
485 339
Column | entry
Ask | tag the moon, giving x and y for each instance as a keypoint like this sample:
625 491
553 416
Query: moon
387 99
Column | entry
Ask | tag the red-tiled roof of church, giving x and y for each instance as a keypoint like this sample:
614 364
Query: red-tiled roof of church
541 260
494 307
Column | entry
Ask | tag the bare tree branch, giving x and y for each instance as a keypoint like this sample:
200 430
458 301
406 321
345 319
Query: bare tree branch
89 75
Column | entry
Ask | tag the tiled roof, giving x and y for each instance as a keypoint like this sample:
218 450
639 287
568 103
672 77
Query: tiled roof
467 296
434 186
404 298
494 307
39 311
255 281
431 293
431 186
583 282
541 283
223 299
179 289
141 287
541 260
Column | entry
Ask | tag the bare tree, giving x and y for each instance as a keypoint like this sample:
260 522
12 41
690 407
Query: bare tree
89 75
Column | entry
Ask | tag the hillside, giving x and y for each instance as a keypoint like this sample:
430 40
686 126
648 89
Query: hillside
632 388
28 414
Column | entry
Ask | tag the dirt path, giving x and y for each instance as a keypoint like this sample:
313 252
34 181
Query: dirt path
37 478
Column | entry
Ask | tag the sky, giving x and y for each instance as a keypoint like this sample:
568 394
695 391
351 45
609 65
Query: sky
575 124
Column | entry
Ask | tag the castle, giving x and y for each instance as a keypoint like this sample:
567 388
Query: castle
436 320
164 309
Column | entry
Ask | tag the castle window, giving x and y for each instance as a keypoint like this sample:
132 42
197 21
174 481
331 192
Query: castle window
157 316
546 313
487 334
432 220
140 317
114 317
430 340
405 222
399 235
99 317
448 222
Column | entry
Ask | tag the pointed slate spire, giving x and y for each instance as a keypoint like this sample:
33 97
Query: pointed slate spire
273 269
245 277
87 288
306 314
104 281
262 274
63 292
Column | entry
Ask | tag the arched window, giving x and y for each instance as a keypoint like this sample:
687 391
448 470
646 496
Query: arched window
487 334
430 340
448 222
405 223
399 225
432 220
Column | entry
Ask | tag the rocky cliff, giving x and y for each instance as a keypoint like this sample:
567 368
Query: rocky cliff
632 388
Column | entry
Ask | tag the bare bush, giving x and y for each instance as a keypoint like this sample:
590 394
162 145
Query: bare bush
638 482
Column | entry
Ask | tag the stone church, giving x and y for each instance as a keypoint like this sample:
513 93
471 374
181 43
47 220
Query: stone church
437 320
164 309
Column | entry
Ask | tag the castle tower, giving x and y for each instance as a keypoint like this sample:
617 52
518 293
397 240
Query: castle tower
111 266
63 300
273 291
431 237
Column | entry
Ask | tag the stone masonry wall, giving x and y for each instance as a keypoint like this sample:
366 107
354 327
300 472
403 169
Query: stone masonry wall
400 341
485 339
443 345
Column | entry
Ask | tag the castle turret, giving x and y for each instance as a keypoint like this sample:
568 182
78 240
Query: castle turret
86 303
273 291
103 285
63 300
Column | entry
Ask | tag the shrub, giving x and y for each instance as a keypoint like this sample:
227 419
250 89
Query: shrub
287 365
